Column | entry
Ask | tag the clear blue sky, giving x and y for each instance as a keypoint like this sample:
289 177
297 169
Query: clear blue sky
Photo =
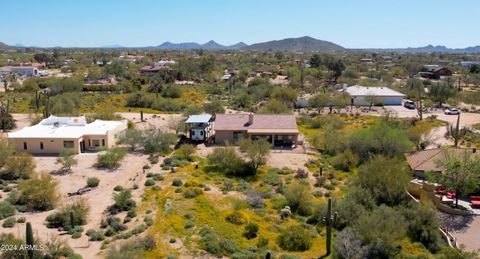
350 23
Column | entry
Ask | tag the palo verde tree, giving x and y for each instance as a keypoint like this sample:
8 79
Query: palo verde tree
256 151
441 92
461 170
67 159
417 88
319 101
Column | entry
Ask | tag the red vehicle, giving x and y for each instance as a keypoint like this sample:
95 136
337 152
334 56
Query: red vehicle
475 200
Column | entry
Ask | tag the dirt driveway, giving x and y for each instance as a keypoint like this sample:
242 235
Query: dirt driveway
99 198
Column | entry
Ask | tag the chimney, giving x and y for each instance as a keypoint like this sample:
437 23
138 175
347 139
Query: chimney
250 119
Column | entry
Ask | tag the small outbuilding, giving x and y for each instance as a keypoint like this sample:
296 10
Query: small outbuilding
199 127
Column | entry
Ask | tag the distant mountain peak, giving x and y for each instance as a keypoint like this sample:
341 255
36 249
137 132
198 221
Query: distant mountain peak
300 44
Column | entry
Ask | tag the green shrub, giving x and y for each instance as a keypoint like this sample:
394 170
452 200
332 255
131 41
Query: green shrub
39 193
20 166
62 218
21 220
111 158
177 182
262 242
251 230
93 182
295 238
272 178
189 224
6 210
192 192
186 152
123 202
226 159
215 245
76 235
158 177
298 198
131 214
139 229
346 160
149 175
132 249
236 218
96 236
118 188
148 220
149 182
9 222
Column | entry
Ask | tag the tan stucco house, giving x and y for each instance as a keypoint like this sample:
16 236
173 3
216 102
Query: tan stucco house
278 129
53 134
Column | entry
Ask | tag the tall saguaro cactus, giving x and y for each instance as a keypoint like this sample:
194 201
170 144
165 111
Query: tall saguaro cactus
29 239
329 219
72 220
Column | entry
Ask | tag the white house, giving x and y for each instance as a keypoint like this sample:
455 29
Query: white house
21 71
364 95
165 62
53 134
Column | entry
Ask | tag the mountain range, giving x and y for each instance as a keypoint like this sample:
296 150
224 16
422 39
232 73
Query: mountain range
211 45
300 44
428 49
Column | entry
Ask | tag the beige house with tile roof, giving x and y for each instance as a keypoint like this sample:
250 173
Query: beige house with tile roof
278 129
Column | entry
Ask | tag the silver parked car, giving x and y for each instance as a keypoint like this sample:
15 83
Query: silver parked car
452 111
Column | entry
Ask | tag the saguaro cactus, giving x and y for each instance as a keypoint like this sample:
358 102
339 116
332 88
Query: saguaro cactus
72 220
29 239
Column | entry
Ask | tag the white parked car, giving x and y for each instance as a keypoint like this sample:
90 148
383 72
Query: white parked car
452 111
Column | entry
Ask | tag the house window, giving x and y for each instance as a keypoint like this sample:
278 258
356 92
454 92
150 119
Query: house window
201 133
193 133
68 144
25 145
41 145
237 135
103 142
96 142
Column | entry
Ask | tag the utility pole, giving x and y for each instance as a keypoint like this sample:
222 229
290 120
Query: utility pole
329 219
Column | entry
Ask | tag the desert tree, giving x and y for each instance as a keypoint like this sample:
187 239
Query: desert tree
256 151
176 124
67 159
461 171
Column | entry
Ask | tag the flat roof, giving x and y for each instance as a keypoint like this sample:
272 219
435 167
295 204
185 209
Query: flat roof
358 90
66 128
201 118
